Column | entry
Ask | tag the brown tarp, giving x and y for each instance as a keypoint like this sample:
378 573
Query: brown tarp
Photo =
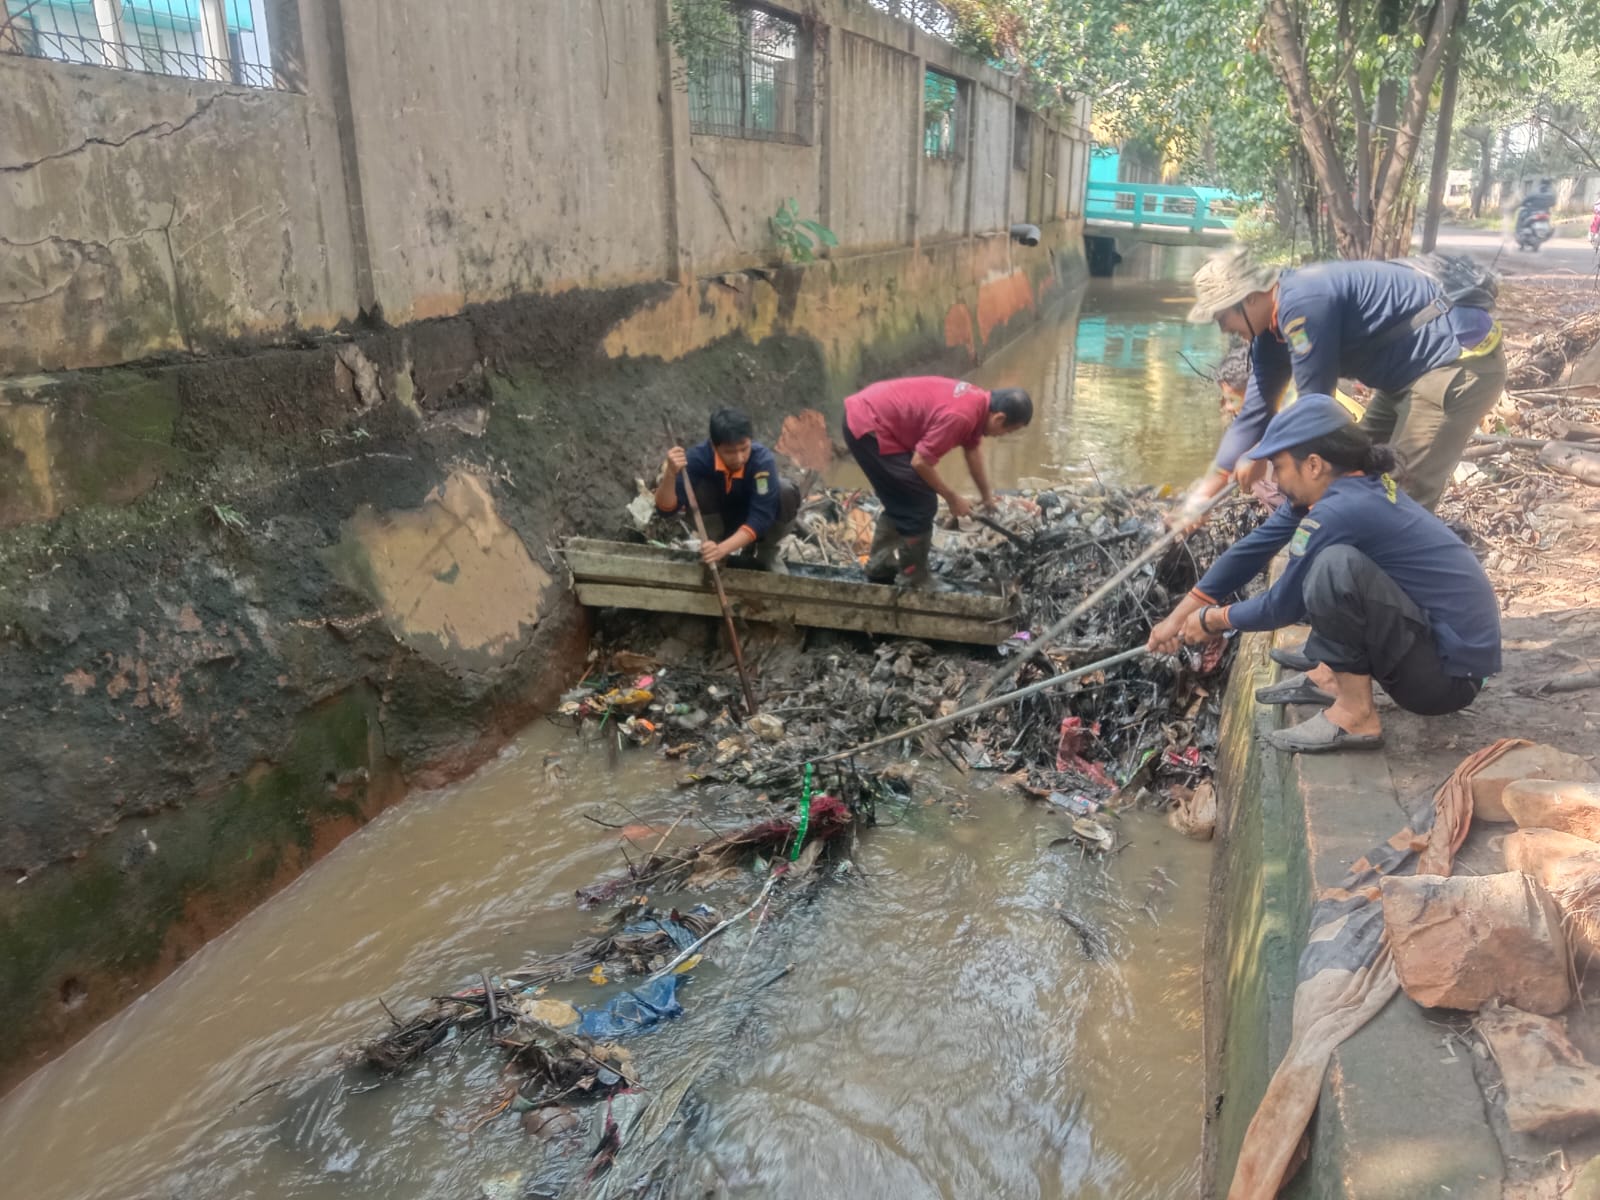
1347 975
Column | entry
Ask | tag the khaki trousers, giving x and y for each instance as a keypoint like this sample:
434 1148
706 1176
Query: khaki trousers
1430 423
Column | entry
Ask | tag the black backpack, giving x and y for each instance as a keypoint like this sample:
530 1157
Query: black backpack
1463 283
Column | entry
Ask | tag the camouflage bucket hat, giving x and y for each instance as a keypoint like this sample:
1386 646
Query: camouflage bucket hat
1226 278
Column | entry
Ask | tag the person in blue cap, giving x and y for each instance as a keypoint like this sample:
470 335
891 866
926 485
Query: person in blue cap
1390 593
747 506
1436 366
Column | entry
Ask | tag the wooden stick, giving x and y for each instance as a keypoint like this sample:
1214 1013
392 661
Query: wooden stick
1551 387
722 595
1503 439
1575 682
993 702
688 951
1177 534
1527 443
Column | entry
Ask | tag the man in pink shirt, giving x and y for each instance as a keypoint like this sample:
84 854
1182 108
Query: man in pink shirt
898 430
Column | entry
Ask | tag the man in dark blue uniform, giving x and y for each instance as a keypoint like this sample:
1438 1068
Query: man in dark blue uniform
1389 591
744 501
1435 368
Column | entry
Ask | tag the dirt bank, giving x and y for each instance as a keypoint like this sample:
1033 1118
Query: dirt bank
205 687
246 600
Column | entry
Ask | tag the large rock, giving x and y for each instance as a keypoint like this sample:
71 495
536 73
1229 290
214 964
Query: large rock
1464 942
1568 868
1555 804
1537 761
1536 851
1551 1090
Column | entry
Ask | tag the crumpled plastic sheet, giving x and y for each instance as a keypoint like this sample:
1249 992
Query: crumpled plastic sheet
633 1011
682 936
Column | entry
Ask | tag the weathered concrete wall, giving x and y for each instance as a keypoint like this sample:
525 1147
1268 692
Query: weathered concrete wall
141 214
871 193
516 149
433 161
1260 904
992 159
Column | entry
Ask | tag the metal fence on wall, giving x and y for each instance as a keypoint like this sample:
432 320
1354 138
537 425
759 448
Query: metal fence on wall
930 16
224 40
749 87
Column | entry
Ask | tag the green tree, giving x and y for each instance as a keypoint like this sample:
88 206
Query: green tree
1262 95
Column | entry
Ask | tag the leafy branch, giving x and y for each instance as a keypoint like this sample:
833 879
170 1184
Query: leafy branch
798 237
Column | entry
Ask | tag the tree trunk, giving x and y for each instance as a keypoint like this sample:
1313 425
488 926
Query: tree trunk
1388 210
1480 190
1286 204
1386 115
1440 173
1384 120
1362 119
1315 132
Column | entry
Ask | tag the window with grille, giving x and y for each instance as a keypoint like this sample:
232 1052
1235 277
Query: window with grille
200 39
1022 139
943 115
753 85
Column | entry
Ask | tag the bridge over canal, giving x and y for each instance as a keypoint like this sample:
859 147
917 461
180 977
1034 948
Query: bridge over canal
1164 214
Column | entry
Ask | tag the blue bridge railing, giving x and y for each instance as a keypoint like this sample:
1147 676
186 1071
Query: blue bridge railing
1135 204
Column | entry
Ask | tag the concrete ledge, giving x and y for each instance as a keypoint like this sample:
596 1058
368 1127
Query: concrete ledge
1400 1115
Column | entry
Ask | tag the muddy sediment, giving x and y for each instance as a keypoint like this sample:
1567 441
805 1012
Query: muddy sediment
205 686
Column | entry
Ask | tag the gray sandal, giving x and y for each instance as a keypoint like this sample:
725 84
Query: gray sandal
1293 657
1320 736
1293 689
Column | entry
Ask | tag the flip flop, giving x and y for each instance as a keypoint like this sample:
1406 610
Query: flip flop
1293 657
1293 689
1321 736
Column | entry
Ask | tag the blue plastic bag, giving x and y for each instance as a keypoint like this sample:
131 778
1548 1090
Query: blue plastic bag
634 1011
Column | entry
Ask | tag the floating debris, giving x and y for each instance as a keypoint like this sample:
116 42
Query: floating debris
1112 737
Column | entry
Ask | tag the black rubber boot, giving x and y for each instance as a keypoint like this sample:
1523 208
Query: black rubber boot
883 557
767 558
914 571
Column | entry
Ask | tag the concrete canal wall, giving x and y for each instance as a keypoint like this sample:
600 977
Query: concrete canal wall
1400 1114
300 387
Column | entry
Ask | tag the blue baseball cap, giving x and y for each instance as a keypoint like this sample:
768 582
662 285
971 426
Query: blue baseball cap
1307 419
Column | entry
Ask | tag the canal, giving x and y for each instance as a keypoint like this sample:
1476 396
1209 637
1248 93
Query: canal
942 1032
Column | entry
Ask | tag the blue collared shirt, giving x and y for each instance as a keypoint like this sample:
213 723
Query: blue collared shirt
749 496
1329 317
1407 542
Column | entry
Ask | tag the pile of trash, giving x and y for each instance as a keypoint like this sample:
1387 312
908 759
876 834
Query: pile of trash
561 1021
1145 731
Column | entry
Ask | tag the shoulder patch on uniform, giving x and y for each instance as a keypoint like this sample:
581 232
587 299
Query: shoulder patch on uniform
1302 535
763 482
1299 340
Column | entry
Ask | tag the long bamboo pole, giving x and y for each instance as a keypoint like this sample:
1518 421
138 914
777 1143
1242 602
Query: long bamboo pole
1177 534
992 702
722 595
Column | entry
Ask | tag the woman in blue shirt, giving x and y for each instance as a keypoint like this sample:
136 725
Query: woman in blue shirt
1390 592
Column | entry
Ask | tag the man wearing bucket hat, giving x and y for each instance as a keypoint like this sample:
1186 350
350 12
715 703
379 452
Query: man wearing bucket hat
1434 362
1390 592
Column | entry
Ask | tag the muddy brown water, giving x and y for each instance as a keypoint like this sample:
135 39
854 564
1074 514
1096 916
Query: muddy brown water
943 1032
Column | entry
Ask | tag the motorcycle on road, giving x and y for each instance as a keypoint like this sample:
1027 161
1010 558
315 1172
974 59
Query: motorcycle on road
1534 229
